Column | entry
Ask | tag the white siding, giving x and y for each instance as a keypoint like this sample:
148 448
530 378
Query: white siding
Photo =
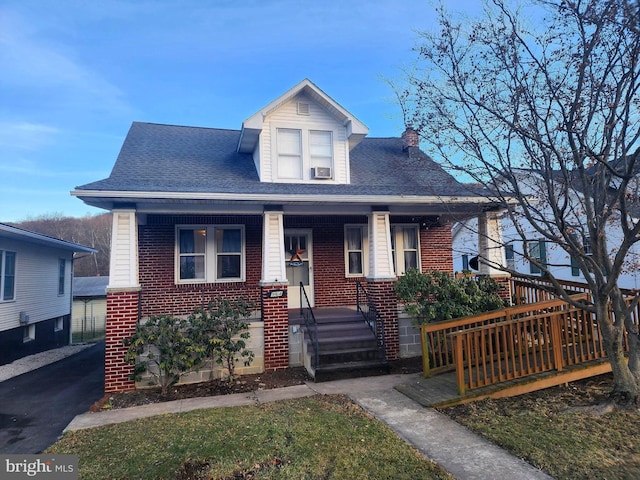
286 116
380 260
273 267
123 268
36 288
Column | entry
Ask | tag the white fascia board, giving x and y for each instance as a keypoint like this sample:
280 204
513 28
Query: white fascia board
270 198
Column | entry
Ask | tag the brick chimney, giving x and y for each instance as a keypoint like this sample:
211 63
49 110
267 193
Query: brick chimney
410 138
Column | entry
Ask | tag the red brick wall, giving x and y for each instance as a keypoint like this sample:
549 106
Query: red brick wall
276 329
435 243
156 242
122 318
384 297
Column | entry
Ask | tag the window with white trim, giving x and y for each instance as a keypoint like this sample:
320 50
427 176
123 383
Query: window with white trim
404 247
298 151
320 148
7 276
354 238
210 254
289 145
28 333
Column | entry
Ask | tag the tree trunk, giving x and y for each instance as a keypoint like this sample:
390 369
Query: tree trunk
625 385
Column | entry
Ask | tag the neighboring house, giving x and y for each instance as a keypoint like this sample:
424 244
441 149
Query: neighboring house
298 194
36 274
555 258
89 313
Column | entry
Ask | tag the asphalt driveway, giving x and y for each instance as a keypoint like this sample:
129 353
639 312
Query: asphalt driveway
36 406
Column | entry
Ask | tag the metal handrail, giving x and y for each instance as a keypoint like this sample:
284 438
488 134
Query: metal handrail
369 311
310 323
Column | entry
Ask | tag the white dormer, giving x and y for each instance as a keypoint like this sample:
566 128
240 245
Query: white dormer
302 136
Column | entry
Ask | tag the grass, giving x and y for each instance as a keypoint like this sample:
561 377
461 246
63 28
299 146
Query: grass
562 430
321 437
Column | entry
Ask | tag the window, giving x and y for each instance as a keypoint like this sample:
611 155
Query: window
210 254
7 275
509 255
404 246
28 333
586 245
465 262
320 149
62 267
289 143
298 151
59 324
538 251
354 240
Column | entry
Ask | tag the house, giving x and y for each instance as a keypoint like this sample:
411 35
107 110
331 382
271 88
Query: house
35 292
517 257
299 195
89 311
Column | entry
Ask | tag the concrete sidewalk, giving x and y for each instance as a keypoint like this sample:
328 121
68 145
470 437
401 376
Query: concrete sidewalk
464 454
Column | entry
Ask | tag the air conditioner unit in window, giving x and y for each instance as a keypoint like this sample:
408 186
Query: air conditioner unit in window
24 318
321 172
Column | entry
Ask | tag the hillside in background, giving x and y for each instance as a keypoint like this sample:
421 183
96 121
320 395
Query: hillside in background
91 231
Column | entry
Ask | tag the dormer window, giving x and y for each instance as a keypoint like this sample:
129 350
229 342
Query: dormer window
299 152
289 153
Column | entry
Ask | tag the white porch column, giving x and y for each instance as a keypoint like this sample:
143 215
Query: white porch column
490 245
123 267
380 257
273 264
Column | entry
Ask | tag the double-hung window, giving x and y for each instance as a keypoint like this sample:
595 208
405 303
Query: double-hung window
404 247
289 143
210 254
7 275
354 248
320 149
298 151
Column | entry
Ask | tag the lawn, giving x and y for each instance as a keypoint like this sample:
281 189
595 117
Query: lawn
564 430
320 437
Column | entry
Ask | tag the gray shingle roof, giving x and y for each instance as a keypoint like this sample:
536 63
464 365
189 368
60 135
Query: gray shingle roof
90 286
169 158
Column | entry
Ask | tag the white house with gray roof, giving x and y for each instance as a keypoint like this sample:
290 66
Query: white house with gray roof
297 208
36 274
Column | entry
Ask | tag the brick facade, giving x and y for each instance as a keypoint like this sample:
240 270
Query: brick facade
276 328
435 243
161 295
386 301
122 318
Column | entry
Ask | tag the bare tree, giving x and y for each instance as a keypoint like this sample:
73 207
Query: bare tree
90 230
540 104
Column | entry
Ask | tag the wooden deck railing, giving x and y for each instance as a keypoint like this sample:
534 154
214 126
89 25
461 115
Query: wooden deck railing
543 335
437 351
525 346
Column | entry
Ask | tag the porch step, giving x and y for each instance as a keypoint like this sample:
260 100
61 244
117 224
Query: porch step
346 347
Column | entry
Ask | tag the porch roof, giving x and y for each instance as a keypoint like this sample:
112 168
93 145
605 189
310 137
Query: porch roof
178 164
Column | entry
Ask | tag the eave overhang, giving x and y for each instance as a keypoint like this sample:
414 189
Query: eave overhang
18 234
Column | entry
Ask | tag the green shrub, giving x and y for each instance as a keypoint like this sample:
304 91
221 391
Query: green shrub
436 296
165 347
221 329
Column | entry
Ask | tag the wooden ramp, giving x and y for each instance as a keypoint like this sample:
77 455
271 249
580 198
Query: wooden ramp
442 390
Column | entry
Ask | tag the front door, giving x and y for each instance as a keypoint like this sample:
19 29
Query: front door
297 248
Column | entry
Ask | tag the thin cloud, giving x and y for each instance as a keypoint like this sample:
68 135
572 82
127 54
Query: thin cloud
31 62
26 135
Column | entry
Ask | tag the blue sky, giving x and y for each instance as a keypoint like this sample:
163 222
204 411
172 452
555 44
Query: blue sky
76 73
